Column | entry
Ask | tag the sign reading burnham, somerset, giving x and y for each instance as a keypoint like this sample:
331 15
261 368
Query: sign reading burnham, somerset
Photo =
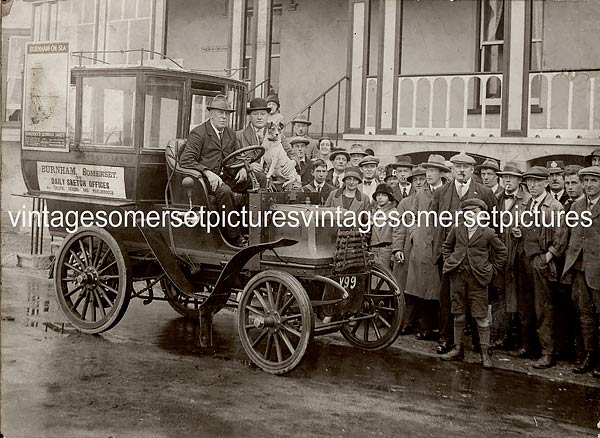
82 179
45 96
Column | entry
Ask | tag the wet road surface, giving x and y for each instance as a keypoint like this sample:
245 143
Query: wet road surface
147 377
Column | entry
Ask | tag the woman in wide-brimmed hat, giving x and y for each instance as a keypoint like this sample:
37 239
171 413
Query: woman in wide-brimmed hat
349 196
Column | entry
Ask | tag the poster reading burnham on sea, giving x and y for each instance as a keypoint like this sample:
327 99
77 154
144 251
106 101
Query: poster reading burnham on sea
45 96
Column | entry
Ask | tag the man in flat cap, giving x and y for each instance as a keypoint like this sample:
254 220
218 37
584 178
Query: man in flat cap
448 198
557 180
543 243
513 199
305 165
206 147
472 254
488 170
340 159
582 268
300 126
403 167
368 166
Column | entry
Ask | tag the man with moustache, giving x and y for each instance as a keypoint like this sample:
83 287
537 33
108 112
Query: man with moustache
513 199
557 180
415 269
488 171
368 166
448 198
582 268
542 245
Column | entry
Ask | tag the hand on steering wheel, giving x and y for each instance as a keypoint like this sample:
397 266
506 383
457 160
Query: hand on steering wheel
246 158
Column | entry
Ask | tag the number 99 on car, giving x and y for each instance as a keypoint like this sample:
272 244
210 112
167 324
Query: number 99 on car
348 281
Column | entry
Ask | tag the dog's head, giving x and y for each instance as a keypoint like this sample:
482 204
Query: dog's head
274 131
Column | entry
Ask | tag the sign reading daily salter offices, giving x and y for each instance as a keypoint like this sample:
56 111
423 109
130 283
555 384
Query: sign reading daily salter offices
45 97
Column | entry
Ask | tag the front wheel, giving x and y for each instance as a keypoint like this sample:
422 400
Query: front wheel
275 321
378 323
92 278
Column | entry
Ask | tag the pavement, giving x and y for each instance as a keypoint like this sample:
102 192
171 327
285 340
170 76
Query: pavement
19 243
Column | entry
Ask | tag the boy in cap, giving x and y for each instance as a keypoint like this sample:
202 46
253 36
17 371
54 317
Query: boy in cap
582 269
488 171
403 166
368 166
305 165
472 254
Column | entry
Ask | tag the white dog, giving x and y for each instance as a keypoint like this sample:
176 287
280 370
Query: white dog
275 159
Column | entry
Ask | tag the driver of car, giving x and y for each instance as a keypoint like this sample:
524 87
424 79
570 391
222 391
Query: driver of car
207 145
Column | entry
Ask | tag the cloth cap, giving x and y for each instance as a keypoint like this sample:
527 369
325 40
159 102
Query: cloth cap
472 203
511 168
301 118
298 139
592 170
369 159
488 164
538 172
463 158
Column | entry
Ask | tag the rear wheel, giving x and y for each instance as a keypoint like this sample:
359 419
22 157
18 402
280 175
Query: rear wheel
92 278
380 315
275 321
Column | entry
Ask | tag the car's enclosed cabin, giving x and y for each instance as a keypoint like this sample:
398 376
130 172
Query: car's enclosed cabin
119 123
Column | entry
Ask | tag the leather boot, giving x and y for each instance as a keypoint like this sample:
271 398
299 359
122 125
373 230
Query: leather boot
587 364
484 338
457 353
546 361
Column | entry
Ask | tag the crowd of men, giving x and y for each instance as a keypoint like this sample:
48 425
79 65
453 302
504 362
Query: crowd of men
533 290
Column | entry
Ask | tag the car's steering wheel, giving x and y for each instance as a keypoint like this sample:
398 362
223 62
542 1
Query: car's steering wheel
245 157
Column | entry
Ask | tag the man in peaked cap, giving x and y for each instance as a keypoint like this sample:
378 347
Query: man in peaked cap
557 180
205 149
582 269
300 125
595 157
542 246
403 167
368 166
513 199
488 171
305 165
448 198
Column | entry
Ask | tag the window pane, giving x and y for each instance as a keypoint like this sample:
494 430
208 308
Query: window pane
108 111
89 9
144 8
161 114
115 9
129 9
274 76
199 112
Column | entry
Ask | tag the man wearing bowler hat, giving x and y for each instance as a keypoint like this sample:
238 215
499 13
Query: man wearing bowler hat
488 170
256 130
543 243
300 125
448 198
403 166
582 268
205 149
512 201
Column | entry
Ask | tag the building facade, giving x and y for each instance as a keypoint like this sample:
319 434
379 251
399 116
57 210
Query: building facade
511 80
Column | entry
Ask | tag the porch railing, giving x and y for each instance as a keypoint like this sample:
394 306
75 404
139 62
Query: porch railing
565 104
462 105
328 118
252 91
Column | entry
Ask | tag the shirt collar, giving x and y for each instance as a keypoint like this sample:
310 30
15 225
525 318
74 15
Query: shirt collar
495 188
558 194
540 198
432 188
466 184
594 201
215 128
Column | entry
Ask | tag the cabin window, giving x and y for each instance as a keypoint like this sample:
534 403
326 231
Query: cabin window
162 111
108 109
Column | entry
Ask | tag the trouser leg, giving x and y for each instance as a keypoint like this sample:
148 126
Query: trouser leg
445 315
525 304
587 312
544 311
226 202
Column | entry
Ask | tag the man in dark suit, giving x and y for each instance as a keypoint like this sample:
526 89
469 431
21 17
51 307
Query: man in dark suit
543 244
318 184
557 181
582 268
448 198
305 165
472 255
206 147
255 131
403 167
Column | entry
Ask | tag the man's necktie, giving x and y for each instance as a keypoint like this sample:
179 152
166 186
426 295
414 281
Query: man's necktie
556 196
336 181
589 205
404 193
461 190
220 132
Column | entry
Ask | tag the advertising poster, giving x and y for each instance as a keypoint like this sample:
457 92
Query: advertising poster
45 96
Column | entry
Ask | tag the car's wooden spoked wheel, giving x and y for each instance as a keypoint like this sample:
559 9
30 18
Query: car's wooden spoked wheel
384 303
275 321
92 278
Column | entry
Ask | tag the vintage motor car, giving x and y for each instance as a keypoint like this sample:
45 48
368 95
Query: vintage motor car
290 284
